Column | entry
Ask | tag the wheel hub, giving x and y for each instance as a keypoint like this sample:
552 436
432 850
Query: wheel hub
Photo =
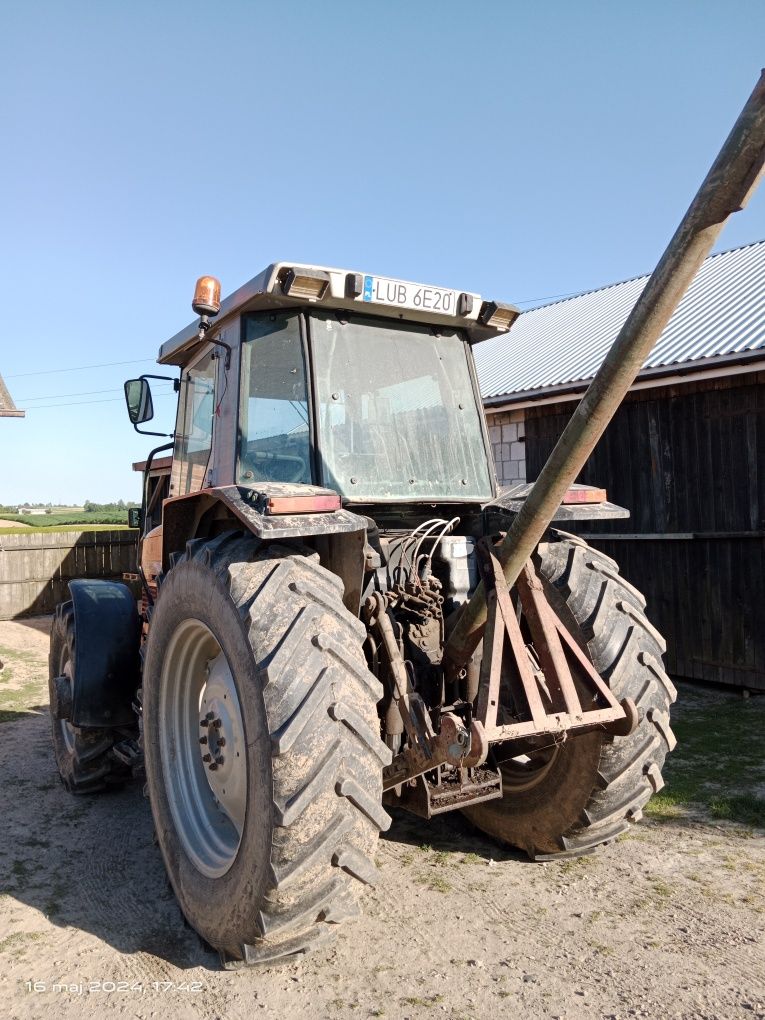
221 742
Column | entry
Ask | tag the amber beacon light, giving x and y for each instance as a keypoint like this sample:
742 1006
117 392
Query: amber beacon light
206 301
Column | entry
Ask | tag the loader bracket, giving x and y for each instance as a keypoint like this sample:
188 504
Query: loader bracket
546 700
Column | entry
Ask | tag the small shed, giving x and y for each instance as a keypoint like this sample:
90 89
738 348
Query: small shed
7 407
685 452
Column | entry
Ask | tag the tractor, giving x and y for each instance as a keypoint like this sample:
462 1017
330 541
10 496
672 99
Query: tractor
330 508
340 611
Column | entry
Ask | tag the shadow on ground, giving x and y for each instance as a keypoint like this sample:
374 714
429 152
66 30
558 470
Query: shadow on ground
87 863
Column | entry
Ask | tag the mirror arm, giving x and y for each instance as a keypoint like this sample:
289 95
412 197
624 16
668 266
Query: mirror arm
176 389
167 378
143 432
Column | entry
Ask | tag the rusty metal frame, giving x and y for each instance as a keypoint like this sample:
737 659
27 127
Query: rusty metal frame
553 644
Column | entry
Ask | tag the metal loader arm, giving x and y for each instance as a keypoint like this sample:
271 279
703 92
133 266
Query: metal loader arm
731 181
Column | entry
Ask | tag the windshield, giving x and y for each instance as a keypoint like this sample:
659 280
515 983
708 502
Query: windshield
397 411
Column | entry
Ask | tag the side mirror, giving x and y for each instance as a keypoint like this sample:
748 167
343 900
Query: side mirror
135 517
140 406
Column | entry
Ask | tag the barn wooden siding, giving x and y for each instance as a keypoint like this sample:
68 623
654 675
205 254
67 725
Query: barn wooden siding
689 463
36 567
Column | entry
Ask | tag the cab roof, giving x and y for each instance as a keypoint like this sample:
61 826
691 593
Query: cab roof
295 284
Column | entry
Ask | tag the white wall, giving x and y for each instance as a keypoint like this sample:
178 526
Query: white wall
507 433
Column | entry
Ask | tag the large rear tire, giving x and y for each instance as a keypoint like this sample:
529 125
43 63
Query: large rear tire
83 753
267 850
568 799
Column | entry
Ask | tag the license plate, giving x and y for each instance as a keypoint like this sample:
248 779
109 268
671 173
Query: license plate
398 294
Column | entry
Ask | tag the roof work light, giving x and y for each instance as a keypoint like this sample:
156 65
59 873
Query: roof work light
305 284
498 316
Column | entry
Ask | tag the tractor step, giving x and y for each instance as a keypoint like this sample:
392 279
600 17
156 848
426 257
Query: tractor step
129 753
453 790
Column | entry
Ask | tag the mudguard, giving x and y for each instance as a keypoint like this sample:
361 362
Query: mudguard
501 511
106 653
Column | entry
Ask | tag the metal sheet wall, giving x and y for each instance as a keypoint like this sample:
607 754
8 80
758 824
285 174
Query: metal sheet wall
689 462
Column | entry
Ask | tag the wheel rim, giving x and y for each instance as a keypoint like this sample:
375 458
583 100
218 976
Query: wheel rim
202 748
65 727
525 771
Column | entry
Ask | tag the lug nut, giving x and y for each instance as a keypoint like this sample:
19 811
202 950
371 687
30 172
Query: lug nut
220 759
221 741
203 723
203 740
212 767
216 723
206 757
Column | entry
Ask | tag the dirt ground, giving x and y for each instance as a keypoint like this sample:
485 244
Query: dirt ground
668 922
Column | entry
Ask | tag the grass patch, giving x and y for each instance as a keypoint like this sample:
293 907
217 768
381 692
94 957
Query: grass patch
662 889
718 764
575 864
13 654
601 948
20 701
435 882
18 940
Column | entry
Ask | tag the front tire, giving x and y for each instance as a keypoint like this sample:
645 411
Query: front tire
569 798
259 638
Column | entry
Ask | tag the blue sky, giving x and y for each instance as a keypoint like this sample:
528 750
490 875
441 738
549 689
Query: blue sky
522 150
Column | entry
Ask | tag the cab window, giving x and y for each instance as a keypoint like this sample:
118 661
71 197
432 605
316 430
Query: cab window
275 442
194 429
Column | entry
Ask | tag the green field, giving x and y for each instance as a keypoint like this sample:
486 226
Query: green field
64 527
64 519
58 518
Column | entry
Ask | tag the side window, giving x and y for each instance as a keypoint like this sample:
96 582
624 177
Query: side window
275 443
194 428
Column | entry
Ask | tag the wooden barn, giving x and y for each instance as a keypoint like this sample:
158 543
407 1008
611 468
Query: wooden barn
685 452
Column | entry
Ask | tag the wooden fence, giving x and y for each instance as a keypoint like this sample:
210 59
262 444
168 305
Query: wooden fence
36 567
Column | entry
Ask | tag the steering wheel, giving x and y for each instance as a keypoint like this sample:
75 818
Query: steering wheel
254 459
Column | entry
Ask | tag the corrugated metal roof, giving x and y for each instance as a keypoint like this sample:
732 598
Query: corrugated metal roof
722 314
7 407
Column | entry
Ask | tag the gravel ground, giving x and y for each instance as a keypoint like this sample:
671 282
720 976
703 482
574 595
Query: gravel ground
668 922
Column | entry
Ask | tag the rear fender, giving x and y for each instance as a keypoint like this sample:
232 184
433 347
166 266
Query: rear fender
339 536
106 653
501 512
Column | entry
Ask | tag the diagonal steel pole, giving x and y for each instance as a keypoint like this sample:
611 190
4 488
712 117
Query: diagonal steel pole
732 179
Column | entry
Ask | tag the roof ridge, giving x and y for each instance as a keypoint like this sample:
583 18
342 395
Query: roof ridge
721 317
632 279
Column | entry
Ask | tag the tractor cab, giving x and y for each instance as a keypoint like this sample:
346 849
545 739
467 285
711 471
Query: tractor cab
359 384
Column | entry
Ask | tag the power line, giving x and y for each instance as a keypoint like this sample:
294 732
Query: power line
80 368
82 393
548 297
80 403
